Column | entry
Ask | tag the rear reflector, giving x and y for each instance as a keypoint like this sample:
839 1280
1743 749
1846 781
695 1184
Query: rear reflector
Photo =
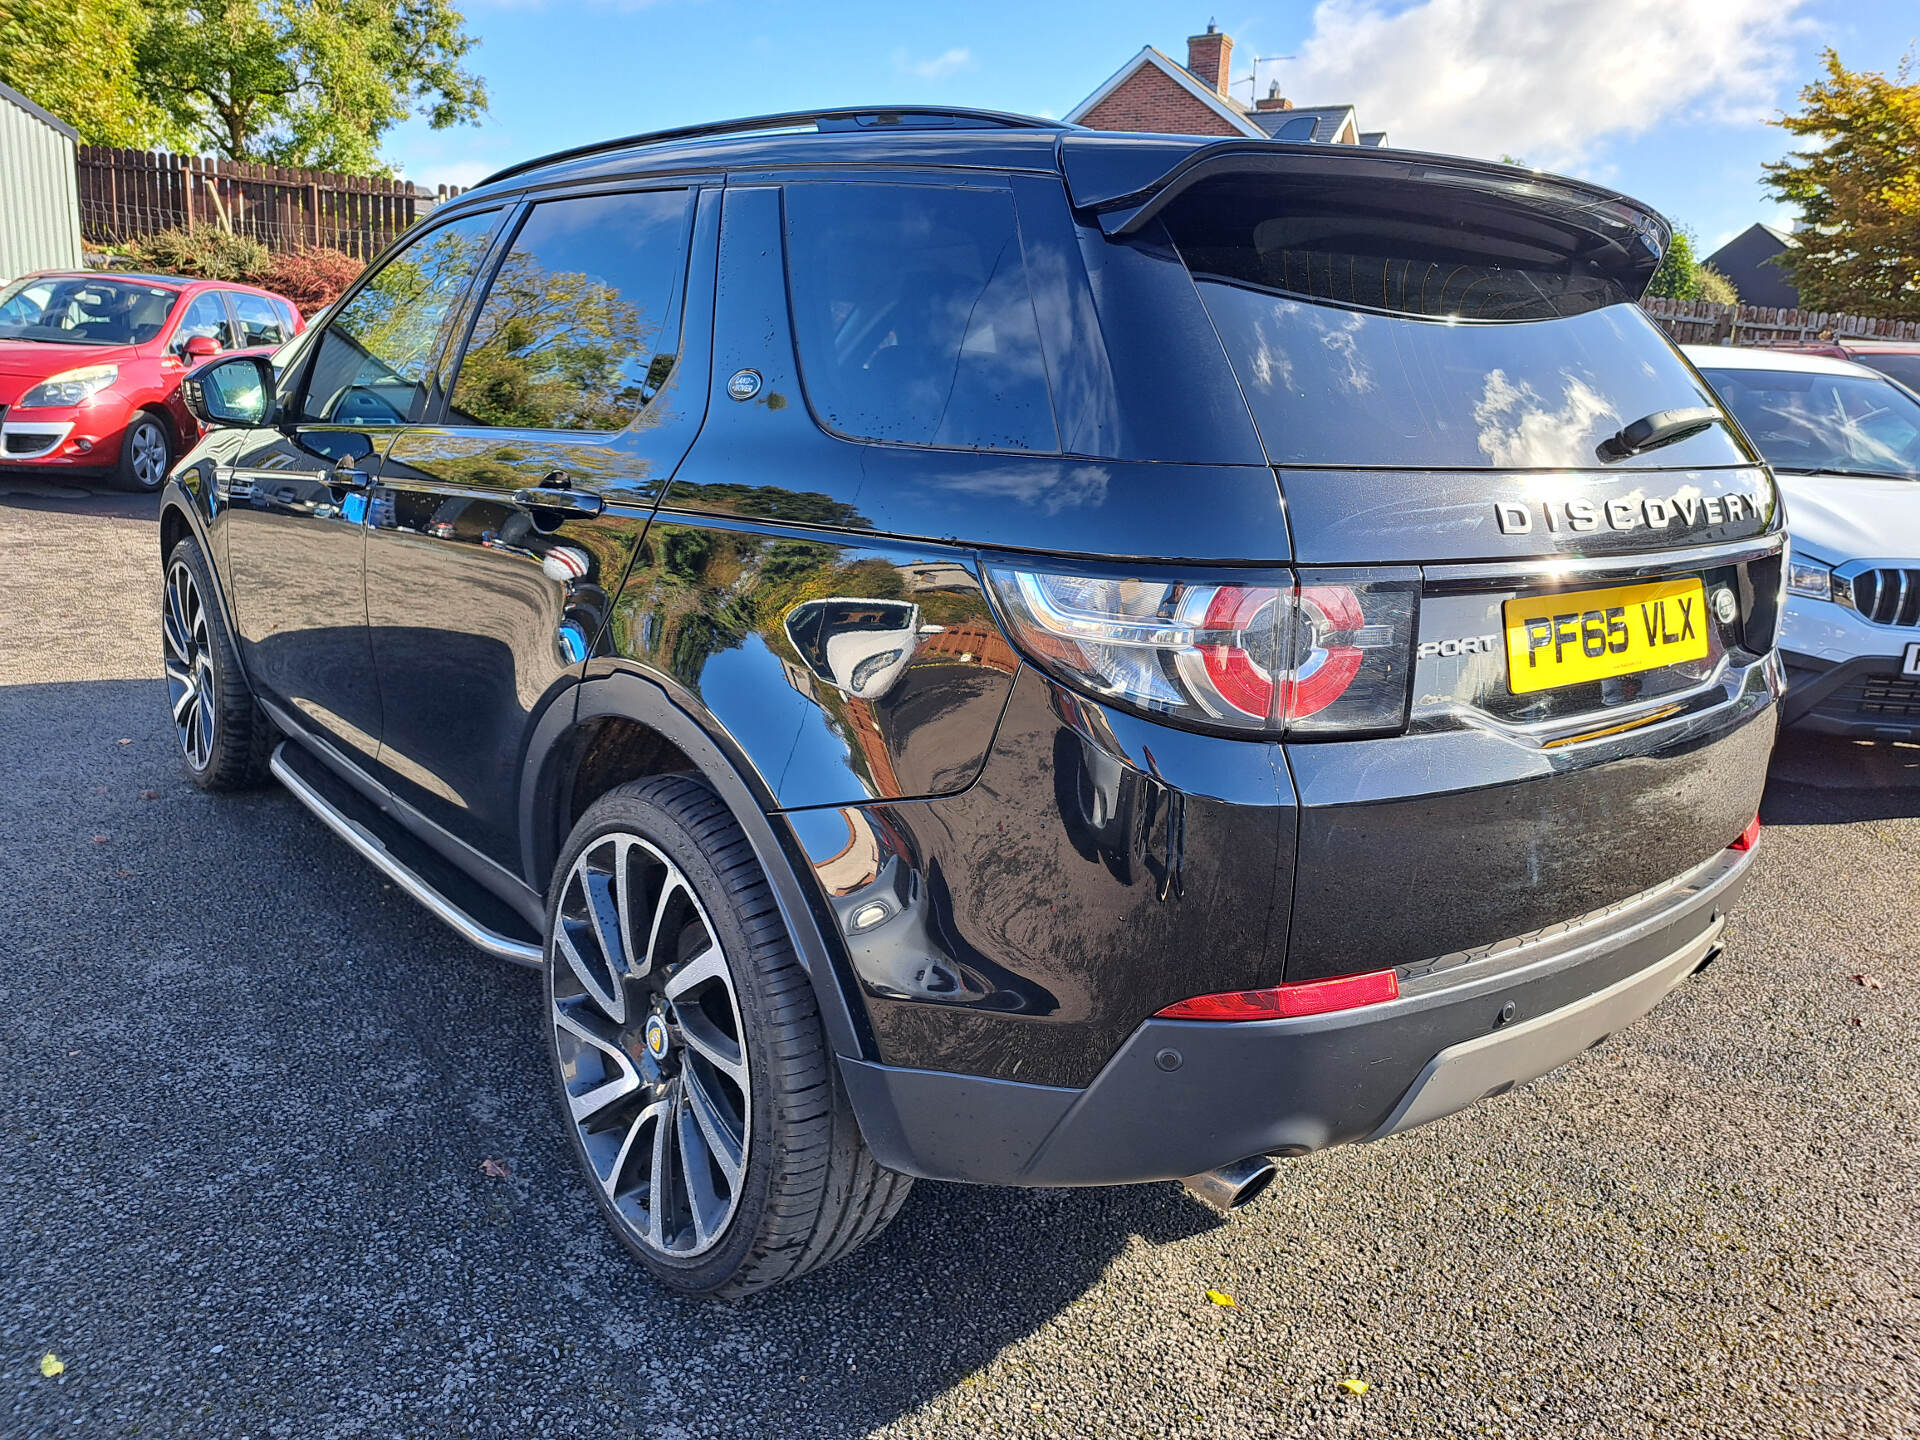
1288 1002
1747 836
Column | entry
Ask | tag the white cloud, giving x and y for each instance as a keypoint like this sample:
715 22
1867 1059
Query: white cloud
1548 82
950 62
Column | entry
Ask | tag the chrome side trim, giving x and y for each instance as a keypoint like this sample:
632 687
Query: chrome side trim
371 849
1453 579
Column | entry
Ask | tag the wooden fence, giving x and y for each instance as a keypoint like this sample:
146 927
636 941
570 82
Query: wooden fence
125 194
1695 322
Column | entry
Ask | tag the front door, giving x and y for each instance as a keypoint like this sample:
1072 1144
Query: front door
497 534
298 492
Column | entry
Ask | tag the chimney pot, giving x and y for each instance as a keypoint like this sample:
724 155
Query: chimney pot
1273 100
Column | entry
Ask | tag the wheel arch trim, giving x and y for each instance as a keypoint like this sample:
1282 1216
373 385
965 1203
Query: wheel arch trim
624 695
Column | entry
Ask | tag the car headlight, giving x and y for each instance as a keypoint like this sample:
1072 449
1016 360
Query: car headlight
1809 577
69 387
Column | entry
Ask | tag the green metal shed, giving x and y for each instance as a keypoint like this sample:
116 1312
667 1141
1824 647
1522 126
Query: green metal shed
39 189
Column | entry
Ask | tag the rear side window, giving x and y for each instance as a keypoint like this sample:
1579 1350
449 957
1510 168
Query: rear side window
1367 331
261 321
376 352
913 316
582 324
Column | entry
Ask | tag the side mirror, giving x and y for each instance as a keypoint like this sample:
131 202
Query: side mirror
201 347
233 392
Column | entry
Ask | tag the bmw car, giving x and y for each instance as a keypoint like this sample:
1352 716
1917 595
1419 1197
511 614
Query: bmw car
1844 441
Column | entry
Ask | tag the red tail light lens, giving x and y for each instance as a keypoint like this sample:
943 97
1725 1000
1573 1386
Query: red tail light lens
1330 654
1747 836
1289 1002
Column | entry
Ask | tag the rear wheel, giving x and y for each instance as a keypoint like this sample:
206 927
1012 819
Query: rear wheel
695 1080
224 737
146 452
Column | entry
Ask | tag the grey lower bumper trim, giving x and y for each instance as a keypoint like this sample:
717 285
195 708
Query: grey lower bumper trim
1463 1074
384 860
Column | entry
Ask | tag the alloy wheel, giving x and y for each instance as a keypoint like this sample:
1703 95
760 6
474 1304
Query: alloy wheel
651 1046
188 659
147 453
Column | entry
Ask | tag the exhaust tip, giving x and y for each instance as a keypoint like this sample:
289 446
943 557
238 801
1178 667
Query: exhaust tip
1231 1186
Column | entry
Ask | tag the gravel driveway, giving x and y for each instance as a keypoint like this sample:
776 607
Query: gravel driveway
246 1089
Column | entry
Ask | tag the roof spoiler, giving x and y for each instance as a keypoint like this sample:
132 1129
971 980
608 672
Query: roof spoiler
1125 182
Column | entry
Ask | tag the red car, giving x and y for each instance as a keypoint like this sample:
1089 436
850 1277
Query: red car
90 366
1897 358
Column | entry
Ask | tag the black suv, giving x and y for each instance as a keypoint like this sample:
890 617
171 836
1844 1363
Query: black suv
982 650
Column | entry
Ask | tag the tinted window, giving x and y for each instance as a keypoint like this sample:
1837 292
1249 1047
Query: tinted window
261 321
1904 368
582 322
1350 387
1842 423
913 317
206 315
377 349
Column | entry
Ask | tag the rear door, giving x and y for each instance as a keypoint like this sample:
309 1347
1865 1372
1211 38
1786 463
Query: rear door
1459 396
497 532
297 491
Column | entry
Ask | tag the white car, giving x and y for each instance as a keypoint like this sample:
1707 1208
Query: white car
1844 442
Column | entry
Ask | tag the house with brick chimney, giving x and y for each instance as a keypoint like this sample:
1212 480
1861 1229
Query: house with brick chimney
1153 93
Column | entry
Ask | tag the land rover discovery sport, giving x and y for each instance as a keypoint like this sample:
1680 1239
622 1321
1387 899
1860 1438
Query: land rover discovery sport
974 649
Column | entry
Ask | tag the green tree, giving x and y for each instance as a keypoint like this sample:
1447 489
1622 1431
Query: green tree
306 82
1858 192
1678 277
76 58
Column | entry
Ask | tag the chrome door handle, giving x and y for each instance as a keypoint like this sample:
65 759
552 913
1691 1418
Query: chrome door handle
345 477
565 502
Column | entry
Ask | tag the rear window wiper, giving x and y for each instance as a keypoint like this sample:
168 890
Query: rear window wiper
1663 427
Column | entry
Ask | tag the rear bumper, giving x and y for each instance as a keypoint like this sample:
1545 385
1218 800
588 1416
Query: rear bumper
1180 1097
1862 699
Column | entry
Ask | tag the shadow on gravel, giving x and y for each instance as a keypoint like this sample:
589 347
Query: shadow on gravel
70 497
1824 780
245 1196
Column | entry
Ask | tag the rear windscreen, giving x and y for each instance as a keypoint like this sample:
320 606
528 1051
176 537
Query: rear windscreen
1366 331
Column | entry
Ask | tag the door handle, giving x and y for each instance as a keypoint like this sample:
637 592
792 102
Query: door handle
345 477
565 502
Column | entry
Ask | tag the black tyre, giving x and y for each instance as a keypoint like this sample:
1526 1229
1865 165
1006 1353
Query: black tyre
695 1080
146 454
224 737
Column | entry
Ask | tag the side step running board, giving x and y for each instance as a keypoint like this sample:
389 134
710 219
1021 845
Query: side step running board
384 860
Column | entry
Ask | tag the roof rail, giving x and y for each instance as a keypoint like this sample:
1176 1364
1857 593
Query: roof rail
870 117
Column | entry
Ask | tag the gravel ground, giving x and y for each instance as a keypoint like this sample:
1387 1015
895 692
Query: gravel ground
246 1089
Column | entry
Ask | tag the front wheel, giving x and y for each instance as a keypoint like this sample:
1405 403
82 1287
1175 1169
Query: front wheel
146 452
695 1080
223 735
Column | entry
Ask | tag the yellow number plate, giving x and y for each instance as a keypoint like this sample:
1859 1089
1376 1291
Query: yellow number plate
1578 635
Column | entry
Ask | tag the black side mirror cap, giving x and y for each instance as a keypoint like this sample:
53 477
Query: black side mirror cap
234 392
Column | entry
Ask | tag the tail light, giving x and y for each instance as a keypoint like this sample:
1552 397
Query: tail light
1325 653
1747 836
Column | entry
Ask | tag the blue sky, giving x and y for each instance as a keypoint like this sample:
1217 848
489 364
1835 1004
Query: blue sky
1665 99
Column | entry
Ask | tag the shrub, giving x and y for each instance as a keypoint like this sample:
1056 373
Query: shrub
1716 287
312 276
204 251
